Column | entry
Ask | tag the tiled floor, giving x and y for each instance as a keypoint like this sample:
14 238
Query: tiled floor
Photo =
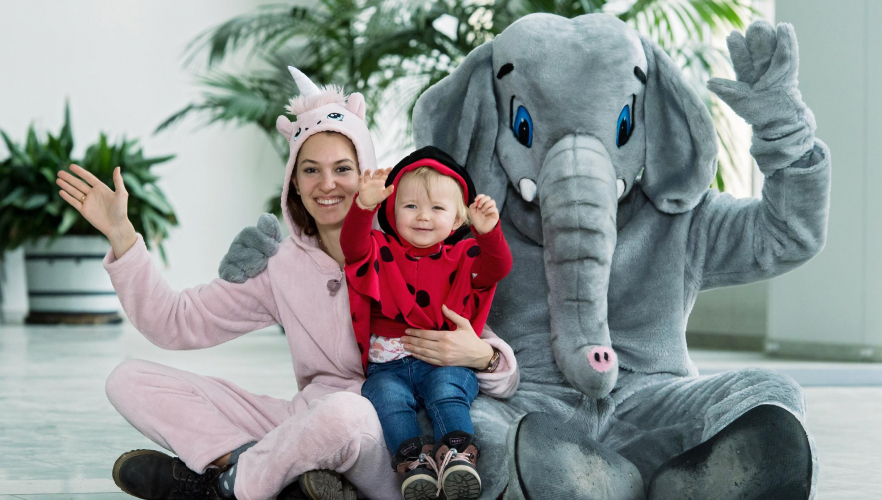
59 435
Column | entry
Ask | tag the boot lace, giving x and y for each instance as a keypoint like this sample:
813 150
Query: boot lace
451 456
427 461
191 485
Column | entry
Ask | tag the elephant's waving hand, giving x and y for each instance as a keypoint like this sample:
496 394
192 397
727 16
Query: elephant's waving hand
766 63
733 241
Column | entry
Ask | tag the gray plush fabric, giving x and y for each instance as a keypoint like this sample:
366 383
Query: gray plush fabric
251 250
576 283
674 237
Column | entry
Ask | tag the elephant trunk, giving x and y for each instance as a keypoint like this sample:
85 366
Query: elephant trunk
578 199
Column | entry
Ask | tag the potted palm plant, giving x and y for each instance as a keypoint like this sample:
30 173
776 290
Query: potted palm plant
63 252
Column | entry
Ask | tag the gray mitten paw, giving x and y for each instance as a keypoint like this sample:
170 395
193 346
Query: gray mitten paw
766 63
251 249
269 225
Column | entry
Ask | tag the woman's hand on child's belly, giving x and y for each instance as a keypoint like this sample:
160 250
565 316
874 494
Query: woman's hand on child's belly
459 347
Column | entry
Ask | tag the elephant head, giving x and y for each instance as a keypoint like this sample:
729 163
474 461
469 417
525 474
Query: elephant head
574 114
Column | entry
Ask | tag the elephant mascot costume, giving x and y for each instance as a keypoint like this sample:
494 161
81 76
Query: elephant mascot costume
600 156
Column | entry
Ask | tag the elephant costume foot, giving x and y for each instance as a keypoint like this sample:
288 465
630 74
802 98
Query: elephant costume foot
553 459
746 460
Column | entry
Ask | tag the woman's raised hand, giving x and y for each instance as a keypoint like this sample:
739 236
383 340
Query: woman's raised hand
102 207
372 188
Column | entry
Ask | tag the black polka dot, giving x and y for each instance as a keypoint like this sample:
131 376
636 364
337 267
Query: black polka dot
411 289
399 317
423 299
386 254
452 277
477 302
361 271
410 257
377 266
474 251
435 256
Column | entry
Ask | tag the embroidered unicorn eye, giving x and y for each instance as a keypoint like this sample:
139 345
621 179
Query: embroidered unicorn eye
295 136
625 124
522 126
336 116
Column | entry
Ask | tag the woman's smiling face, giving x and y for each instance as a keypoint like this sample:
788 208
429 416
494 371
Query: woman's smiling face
326 177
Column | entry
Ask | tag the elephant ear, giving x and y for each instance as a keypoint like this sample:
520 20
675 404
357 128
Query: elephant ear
458 115
681 141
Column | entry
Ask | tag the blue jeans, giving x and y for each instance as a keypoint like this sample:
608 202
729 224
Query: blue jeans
399 388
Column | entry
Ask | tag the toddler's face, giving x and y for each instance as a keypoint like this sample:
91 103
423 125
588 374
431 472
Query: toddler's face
425 216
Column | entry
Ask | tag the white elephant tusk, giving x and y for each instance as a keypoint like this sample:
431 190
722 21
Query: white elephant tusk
528 189
620 188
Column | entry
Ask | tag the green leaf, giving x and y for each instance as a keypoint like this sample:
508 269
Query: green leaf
133 185
13 148
37 200
158 202
66 135
15 197
53 208
48 174
68 218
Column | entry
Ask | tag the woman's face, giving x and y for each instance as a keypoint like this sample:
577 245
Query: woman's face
327 177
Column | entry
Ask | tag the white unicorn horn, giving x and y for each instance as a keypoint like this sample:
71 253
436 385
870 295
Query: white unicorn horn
304 84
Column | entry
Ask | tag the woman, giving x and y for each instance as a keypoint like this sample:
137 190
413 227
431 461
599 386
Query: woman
262 444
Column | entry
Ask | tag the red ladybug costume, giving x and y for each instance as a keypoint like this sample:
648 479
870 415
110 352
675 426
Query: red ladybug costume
394 285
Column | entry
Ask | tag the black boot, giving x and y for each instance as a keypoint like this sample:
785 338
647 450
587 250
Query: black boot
413 460
151 475
762 455
456 456
323 485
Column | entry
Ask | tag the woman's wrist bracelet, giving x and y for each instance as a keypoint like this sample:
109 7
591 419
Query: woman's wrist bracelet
494 362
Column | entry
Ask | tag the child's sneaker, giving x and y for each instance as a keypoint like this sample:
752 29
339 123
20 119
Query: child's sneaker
414 461
456 456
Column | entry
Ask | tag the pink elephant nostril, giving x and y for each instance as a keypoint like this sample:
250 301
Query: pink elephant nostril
601 358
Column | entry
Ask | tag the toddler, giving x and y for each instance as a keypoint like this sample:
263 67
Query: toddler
404 278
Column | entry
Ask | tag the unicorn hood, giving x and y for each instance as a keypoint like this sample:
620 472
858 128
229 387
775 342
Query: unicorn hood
324 109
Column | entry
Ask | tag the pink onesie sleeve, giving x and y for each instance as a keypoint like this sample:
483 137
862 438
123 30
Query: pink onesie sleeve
503 382
194 318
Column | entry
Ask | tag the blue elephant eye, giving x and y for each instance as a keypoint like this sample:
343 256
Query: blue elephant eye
625 124
336 116
297 134
522 126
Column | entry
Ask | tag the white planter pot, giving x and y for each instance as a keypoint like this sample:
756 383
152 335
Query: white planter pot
67 282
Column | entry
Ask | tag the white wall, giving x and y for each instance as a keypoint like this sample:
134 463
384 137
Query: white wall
120 64
832 307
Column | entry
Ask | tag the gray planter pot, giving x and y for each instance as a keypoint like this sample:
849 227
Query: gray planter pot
67 282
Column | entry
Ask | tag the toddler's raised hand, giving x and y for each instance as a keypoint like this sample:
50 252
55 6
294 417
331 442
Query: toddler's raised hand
372 188
484 214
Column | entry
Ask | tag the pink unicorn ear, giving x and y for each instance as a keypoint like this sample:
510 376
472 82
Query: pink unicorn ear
285 126
356 104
